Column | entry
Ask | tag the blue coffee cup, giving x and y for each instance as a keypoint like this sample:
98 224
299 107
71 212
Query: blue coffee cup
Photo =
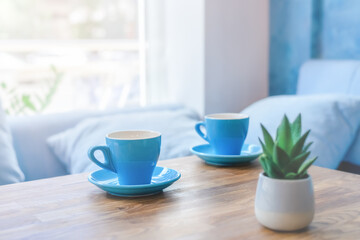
133 155
226 132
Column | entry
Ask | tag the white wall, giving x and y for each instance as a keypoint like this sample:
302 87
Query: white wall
236 53
210 55
185 52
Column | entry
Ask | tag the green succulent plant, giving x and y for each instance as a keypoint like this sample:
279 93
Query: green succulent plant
286 156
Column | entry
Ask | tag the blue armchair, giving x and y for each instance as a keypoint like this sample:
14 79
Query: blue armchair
334 76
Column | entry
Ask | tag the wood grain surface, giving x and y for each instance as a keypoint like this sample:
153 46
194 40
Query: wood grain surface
206 203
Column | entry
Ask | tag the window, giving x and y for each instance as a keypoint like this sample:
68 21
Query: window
61 55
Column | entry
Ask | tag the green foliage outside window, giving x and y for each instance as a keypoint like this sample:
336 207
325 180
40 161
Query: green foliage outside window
23 103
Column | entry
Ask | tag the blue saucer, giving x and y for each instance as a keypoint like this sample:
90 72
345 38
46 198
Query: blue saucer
108 181
249 153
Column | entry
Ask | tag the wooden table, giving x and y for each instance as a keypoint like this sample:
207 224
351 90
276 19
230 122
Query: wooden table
206 203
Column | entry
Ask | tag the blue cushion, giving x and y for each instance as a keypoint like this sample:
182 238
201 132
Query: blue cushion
333 120
10 171
177 128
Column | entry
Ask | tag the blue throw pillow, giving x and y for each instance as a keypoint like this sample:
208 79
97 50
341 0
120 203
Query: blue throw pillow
10 171
176 127
333 120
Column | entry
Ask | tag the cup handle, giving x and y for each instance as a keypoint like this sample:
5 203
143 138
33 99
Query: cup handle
107 157
198 130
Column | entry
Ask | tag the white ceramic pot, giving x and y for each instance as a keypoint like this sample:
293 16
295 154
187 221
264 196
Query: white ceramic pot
284 205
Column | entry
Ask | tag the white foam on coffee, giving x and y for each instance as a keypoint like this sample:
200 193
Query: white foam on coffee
133 135
227 116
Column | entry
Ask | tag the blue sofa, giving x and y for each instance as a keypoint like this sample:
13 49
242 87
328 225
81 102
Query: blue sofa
37 161
333 77
30 133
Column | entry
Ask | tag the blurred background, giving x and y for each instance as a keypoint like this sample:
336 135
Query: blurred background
66 55
62 55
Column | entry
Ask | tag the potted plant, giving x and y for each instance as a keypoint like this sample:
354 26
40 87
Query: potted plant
284 196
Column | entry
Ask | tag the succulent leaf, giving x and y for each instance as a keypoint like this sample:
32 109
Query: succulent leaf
291 175
264 148
264 164
280 156
305 166
269 142
296 129
274 170
284 135
299 176
296 162
299 145
307 146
